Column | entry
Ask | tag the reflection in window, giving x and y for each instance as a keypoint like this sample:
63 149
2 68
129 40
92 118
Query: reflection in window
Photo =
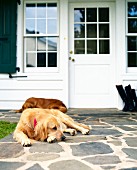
91 30
30 59
79 47
132 38
96 38
132 9
79 30
41 59
52 59
103 14
79 15
46 50
92 47
41 16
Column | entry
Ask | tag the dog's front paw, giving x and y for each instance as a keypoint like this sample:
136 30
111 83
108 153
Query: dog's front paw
51 139
90 127
85 132
26 143
73 132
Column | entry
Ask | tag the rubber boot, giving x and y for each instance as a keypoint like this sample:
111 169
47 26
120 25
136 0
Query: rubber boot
123 96
129 98
133 93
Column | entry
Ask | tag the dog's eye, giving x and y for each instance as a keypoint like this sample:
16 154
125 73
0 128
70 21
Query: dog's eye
55 128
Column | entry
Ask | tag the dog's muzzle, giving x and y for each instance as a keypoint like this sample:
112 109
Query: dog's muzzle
63 138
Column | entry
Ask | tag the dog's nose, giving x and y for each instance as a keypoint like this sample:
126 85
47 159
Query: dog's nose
63 138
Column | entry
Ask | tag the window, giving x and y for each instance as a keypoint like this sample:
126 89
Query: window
41 37
132 34
91 31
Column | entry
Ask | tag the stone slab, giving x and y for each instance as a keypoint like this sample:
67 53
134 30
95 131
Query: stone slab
102 160
45 147
42 157
131 141
10 150
132 153
35 167
91 148
10 165
69 165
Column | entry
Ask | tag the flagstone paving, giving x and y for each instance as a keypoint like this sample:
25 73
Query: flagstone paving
111 144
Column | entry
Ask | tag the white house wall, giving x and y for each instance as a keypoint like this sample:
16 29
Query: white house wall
13 92
123 76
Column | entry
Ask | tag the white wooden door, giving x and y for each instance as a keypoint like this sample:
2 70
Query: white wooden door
92 55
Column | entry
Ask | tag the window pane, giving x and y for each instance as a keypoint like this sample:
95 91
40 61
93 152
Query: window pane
30 10
51 26
79 15
79 47
41 10
41 26
30 26
91 30
91 14
132 25
104 47
52 44
103 14
41 44
103 30
79 30
30 44
132 59
41 59
132 44
132 9
30 59
91 47
52 59
52 10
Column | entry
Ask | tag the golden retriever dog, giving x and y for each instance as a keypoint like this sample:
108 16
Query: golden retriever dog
43 103
46 125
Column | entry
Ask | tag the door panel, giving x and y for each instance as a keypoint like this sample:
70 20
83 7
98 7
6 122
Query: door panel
92 55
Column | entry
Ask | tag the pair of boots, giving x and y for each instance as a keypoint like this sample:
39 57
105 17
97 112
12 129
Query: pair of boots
129 98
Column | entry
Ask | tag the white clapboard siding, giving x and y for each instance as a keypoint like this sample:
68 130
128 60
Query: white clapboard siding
13 93
13 84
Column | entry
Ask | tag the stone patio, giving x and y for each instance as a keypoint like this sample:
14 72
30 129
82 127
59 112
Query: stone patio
111 144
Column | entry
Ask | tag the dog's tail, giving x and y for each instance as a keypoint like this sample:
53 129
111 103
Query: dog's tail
63 109
19 111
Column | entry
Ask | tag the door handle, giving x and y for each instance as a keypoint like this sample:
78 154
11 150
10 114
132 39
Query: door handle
3 39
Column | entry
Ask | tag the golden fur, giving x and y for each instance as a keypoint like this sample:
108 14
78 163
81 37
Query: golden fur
43 103
50 125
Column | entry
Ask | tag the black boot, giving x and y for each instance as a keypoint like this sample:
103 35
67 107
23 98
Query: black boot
129 98
123 96
133 93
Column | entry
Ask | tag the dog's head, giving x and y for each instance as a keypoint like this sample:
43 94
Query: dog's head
49 128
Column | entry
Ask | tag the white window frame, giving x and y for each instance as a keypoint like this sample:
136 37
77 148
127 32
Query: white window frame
41 69
129 69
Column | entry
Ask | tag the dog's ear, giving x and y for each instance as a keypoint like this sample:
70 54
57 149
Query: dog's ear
40 131
50 125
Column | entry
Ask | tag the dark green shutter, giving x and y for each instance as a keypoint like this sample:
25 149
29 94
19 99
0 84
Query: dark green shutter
8 22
